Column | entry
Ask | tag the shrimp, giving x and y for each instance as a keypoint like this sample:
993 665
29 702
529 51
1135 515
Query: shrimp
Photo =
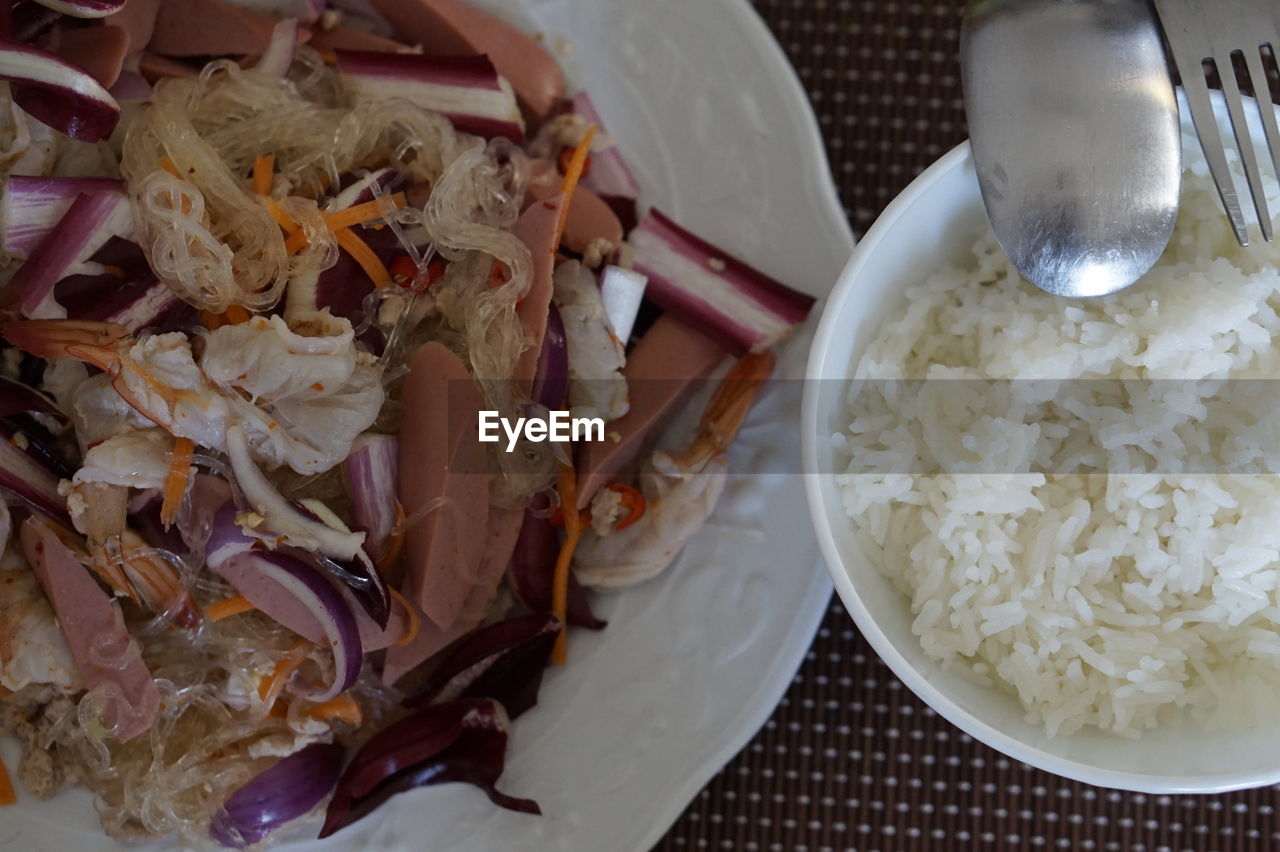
680 489
122 559
157 375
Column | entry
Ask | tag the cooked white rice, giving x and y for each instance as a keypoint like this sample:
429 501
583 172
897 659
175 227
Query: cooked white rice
1120 601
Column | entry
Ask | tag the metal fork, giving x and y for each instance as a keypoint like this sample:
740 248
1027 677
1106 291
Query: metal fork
1217 31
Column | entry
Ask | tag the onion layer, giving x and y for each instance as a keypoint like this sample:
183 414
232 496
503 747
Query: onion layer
282 793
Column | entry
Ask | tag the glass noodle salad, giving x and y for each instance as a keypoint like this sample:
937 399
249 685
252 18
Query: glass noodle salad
264 264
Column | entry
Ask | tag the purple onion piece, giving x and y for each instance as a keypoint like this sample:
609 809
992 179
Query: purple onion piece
361 190
466 89
503 661
460 741
532 570
551 380
34 482
328 608
17 398
84 8
30 20
86 226
226 539
58 93
370 474
32 206
713 290
277 795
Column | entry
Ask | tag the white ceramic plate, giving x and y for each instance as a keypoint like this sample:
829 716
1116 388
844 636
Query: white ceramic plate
719 131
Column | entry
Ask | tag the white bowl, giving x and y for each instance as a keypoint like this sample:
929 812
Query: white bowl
935 220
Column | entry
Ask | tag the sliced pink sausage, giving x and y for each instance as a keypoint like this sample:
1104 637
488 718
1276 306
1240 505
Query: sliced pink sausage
536 228
452 27
275 601
138 19
350 38
98 50
664 365
429 641
504 529
153 68
104 653
443 484
589 217
209 28
500 541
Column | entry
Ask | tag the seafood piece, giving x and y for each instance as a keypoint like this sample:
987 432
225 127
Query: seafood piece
680 489
302 399
597 387
123 559
32 647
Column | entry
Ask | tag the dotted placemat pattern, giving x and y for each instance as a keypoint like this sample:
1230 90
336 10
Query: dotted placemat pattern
851 759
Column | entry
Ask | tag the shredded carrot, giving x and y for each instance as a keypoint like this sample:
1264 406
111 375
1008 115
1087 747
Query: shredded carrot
283 219
632 501
286 666
175 484
565 157
361 213
329 57
572 174
344 708
567 485
7 796
228 607
497 275
263 168
415 623
279 710
369 262
296 242
169 166
233 315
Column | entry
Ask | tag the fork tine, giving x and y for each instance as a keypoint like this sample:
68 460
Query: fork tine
1262 91
1197 90
1244 142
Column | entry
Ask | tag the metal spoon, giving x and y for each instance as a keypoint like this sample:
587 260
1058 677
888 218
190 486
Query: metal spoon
1075 136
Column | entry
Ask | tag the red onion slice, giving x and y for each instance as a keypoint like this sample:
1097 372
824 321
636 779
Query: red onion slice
503 661
532 569
32 206
89 222
84 8
370 473
17 398
457 741
342 634
466 89
277 795
551 381
58 93
34 482
713 290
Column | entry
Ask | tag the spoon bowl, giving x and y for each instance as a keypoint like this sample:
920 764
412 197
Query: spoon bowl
1075 134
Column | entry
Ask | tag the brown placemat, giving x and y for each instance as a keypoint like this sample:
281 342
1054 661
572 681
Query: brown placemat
851 759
